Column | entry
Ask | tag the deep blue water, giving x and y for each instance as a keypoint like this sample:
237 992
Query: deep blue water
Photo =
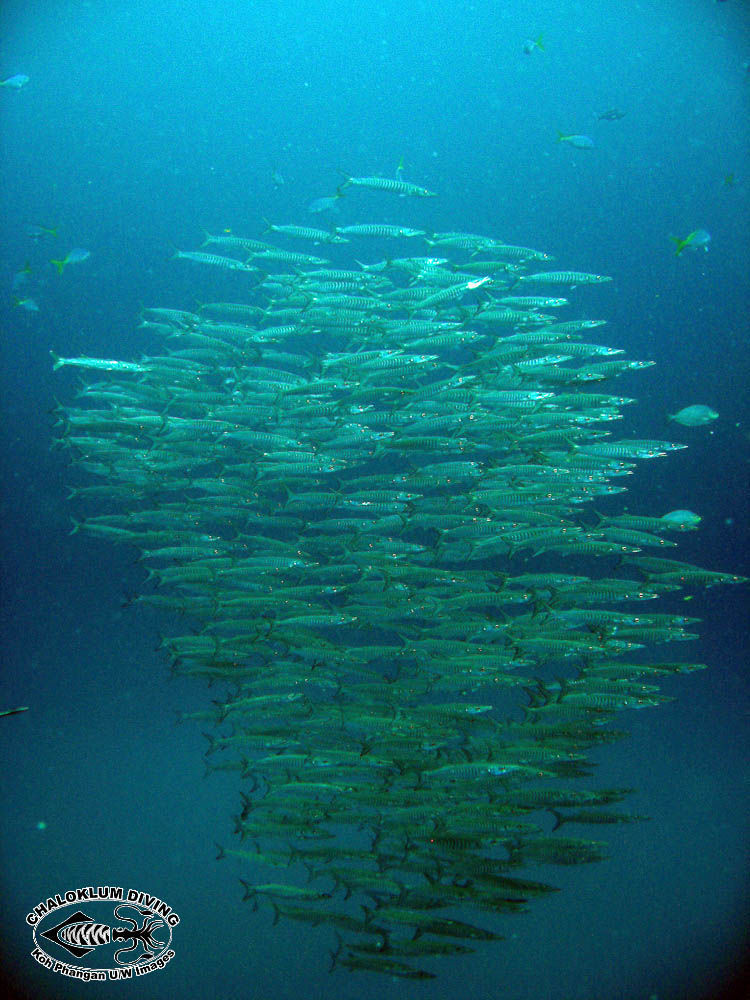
143 125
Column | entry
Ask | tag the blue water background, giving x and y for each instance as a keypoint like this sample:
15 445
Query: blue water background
144 124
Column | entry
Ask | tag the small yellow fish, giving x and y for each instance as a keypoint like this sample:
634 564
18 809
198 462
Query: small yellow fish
698 238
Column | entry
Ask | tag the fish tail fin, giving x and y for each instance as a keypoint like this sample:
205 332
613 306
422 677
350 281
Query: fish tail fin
347 182
680 244
539 43
56 361
335 954
559 819
250 893
59 264
268 225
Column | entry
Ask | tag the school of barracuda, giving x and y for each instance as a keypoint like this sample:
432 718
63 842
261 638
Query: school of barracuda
370 493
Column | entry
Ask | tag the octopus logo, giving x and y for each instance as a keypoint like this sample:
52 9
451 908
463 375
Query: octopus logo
137 941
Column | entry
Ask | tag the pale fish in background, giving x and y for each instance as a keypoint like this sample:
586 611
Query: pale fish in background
694 416
74 256
15 82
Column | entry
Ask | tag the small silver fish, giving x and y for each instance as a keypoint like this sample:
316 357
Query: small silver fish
577 141
27 304
531 44
324 205
74 256
15 82
694 416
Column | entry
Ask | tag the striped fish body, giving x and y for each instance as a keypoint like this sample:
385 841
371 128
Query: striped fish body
402 188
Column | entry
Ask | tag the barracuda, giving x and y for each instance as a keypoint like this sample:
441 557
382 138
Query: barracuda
344 529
